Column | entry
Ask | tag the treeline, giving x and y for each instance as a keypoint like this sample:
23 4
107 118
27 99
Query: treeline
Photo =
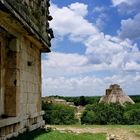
85 100
135 98
82 100
111 114
94 112
58 114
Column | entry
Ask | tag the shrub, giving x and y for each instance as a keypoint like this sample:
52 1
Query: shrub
88 117
111 114
132 116
58 114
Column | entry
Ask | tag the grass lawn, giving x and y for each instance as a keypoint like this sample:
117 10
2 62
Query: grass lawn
56 135
122 131
87 132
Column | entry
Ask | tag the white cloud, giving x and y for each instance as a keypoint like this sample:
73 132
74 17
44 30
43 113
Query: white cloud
99 9
56 59
61 64
118 2
127 6
132 65
68 21
103 52
101 20
79 8
128 2
89 86
72 86
130 28
112 51
98 58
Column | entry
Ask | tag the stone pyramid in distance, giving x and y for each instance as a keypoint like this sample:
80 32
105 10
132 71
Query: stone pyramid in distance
115 94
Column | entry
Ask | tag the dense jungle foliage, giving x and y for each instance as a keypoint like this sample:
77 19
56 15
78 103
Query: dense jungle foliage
81 100
85 100
58 114
94 113
111 114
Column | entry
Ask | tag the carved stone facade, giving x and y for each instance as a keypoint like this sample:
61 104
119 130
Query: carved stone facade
115 94
24 34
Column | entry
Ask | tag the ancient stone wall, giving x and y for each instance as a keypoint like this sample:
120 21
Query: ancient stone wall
20 85
2 71
23 36
36 14
30 77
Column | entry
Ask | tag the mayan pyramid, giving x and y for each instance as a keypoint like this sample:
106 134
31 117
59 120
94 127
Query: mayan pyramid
115 94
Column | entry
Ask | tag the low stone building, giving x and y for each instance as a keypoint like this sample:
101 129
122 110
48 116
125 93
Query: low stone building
115 94
24 34
55 100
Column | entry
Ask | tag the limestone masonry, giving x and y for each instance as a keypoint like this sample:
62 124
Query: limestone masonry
115 94
24 35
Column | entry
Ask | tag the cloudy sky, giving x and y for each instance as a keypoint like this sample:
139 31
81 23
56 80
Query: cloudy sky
97 43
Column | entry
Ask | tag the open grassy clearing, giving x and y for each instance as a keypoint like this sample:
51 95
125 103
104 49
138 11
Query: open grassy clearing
56 135
84 132
126 132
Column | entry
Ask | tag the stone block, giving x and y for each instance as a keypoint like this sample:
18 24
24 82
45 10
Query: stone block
2 132
14 45
24 110
10 101
11 77
15 134
23 130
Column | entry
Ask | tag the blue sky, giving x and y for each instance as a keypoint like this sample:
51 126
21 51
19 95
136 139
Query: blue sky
97 43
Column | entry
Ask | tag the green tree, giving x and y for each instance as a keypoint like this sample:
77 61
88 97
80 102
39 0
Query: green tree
82 101
103 114
88 117
58 114
132 116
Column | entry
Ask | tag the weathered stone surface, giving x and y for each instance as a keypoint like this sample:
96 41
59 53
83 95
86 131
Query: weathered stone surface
22 39
115 94
35 16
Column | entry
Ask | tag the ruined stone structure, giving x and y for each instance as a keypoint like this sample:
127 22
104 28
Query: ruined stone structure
51 99
24 34
115 94
54 100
